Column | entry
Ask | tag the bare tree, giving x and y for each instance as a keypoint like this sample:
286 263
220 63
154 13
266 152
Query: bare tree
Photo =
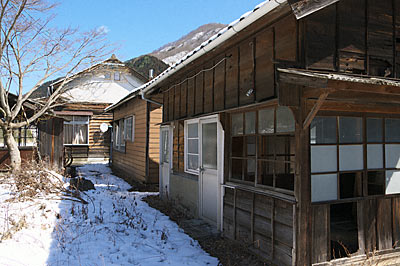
30 49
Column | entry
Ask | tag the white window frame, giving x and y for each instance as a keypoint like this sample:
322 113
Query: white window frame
73 122
133 128
188 122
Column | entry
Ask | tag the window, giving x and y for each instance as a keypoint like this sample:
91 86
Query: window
129 128
262 148
107 75
346 163
123 130
117 76
25 136
76 130
192 147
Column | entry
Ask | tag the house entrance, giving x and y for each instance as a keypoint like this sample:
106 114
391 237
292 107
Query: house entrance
210 164
165 156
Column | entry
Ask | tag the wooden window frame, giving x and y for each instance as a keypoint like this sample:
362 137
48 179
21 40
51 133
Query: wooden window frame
73 123
365 170
133 128
257 157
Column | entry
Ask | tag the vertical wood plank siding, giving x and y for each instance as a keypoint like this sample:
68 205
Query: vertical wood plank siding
263 223
245 76
357 36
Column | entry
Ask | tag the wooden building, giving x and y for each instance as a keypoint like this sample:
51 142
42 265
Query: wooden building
283 130
136 129
85 96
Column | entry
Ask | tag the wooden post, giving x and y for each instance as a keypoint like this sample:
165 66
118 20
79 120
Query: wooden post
303 187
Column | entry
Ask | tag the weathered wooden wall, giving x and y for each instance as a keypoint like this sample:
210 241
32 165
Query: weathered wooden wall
378 226
51 141
241 73
262 222
356 36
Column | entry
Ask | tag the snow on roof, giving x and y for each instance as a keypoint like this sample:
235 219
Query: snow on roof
235 26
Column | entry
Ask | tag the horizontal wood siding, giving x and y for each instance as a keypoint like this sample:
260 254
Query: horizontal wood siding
154 142
263 223
131 164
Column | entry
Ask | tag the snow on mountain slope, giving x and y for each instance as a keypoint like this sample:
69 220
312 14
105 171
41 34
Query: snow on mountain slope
172 52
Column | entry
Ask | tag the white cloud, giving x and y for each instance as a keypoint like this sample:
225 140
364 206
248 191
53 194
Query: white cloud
103 29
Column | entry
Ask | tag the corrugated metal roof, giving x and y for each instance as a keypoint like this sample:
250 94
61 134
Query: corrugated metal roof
342 77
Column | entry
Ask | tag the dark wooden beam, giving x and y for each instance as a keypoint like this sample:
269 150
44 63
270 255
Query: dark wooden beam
315 109
339 106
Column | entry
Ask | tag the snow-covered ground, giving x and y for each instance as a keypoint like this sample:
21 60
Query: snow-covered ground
115 228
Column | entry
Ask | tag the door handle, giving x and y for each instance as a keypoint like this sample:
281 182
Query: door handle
201 169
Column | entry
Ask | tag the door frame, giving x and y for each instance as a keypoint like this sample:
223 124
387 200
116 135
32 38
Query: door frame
220 169
170 138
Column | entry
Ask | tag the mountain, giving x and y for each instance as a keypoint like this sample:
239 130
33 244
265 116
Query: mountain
144 63
174 51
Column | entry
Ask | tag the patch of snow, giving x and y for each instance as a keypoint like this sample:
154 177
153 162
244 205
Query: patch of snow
171 60
198 35
115 228
167 49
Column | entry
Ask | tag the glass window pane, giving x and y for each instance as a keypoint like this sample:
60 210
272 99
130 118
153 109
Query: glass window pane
265 173
284 145
374 130
80 134
374 156
350 130
250 121
266 146
237 169
376 183
392 182
323 130
193 146
284 175
323 159
193 162
350 185
392 154
81 118
68 133
1 138
284 120
392 129
351 157
266 121
165 146
193 130
237 146
323 187
250 171
209 145
251 146
237 124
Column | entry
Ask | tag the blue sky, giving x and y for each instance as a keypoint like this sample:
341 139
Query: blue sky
141 26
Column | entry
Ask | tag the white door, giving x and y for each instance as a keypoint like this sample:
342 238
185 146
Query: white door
210 164
165 159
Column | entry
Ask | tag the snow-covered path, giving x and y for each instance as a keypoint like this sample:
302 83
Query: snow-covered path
115 228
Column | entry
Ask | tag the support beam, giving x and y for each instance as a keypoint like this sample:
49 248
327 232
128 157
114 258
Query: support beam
314 110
